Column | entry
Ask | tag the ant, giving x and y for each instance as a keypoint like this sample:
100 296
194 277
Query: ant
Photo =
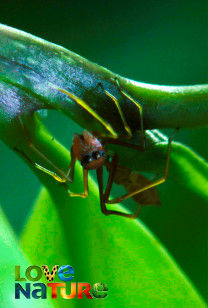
91 151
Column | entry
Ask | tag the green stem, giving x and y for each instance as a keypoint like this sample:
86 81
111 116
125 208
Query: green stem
40 68
171 106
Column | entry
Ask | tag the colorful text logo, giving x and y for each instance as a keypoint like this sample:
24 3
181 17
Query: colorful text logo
39 290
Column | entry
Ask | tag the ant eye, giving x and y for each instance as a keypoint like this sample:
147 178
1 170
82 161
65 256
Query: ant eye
96 154
86 159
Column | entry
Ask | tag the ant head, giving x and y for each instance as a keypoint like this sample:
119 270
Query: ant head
89 150
93 160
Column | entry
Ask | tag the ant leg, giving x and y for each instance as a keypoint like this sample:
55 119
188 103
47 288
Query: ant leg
86 188
112 173
142 132
102 198
108 140
60 178
153 184
84 105
51 173
126 126
100 185
69 173
70 170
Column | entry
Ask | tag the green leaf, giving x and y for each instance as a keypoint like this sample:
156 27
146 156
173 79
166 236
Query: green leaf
114 250
119 252
12 255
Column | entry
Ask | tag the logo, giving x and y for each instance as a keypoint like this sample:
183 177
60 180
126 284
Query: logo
27 286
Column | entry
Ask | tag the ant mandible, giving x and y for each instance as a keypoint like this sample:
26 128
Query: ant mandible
91 151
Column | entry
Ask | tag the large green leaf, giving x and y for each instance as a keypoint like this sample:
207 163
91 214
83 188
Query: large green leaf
12 255
119 252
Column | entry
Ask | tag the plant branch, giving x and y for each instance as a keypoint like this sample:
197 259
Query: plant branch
40 69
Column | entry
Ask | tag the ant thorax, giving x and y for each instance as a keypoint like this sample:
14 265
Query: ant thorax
89 150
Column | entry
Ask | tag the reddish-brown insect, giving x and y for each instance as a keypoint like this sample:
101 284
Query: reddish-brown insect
91 151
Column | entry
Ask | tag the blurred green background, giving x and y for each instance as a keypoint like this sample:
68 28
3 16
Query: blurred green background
163 42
